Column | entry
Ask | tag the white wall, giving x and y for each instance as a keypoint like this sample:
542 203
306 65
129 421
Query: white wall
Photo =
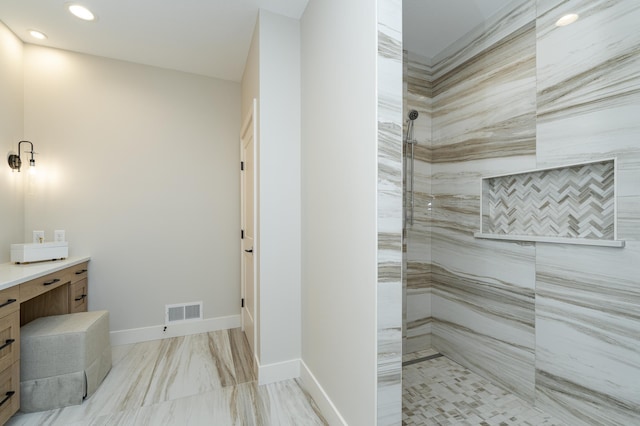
272 75
140 166
279 189
339 161
250 86
11 132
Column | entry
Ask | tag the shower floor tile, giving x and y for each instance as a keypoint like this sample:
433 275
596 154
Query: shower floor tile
441 392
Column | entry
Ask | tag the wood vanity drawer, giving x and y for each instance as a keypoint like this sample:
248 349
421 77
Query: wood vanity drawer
9 340
78 296
79 272
9 300
33 288
9 392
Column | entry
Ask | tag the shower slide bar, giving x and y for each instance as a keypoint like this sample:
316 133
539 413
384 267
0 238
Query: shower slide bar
408 167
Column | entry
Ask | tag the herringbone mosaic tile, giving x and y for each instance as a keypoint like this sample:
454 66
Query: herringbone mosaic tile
572 202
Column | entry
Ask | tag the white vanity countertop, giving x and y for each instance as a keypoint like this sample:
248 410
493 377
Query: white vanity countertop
12 274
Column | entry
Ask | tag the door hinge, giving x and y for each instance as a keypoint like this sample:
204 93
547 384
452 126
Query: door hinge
242 234
242 165
242 302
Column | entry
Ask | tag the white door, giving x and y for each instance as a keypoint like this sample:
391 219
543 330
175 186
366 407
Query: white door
248 197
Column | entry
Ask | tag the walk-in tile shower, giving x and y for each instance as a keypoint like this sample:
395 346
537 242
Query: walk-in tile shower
555 324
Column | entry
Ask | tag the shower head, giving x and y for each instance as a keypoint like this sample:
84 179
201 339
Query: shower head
413 114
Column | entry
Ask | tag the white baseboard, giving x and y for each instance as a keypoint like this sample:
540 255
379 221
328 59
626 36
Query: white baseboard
156 332
311 385
278 371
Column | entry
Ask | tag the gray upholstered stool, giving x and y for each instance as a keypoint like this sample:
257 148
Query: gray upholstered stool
63 359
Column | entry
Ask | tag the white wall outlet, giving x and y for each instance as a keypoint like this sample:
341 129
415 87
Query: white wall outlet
58 236
38 237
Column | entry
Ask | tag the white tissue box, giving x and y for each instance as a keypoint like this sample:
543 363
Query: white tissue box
23 253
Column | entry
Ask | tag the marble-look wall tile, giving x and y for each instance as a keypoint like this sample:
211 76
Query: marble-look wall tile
483 124
483 307
513 15
588 100
418 97
464 178
578 80
494 278
389 285
587 344
485 109
419 80
588 77
628 218
419 336
417 296
587 301
418 318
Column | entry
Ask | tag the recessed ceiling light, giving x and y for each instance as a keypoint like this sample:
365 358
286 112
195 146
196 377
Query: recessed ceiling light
567 19
81 12
37 34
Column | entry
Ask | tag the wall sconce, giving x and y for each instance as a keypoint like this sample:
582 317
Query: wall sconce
14 160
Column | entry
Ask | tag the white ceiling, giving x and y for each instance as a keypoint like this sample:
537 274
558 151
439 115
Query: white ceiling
207 37
429 26
210 37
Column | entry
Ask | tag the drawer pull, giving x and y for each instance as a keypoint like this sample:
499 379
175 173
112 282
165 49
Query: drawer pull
81 271
7 343
8 302
53 281
7 396
81 297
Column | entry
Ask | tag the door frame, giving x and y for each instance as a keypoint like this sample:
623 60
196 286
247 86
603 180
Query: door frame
249 124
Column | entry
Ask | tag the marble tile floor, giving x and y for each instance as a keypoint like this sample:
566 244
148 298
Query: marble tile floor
203 379
441 392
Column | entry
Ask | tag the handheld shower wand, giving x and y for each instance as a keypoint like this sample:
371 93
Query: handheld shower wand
413 114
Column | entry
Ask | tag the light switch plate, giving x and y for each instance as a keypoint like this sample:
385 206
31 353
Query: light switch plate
38 237
58 236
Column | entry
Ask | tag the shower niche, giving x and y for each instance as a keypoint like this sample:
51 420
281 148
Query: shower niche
573 204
